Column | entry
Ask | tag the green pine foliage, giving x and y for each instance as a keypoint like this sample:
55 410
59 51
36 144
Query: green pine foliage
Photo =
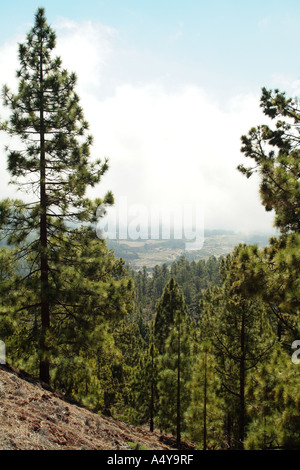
171 336
276 157
143 386
240 334
199 349
206 410
192 276
274 404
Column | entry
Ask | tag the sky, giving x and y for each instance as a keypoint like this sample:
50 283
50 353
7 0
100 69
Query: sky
168 88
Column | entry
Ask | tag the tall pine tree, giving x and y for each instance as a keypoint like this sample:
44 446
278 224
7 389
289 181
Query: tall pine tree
174 368
52 164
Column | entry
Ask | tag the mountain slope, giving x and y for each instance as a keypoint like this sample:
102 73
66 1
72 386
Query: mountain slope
34 417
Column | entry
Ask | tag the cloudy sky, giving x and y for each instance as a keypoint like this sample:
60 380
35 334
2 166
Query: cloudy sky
169 87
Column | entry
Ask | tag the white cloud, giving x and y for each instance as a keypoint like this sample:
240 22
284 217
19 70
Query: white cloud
84 48
164 147
9 61
8 66
176 148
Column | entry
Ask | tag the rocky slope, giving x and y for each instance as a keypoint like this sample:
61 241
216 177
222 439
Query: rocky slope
34 417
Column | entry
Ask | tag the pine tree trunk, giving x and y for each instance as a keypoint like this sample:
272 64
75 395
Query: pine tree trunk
279 329
228 430
205 403
152 393
45 315
178 389
242 384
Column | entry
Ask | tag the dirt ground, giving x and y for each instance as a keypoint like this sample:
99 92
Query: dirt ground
34 417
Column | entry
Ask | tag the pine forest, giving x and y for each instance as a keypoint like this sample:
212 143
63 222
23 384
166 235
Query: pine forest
205 350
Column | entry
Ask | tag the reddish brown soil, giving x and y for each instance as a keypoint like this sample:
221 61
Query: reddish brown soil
34 417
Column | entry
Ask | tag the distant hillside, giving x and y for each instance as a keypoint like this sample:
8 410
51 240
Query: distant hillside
34 417
149 253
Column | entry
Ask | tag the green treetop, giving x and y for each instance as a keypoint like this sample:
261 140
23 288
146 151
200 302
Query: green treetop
276 157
